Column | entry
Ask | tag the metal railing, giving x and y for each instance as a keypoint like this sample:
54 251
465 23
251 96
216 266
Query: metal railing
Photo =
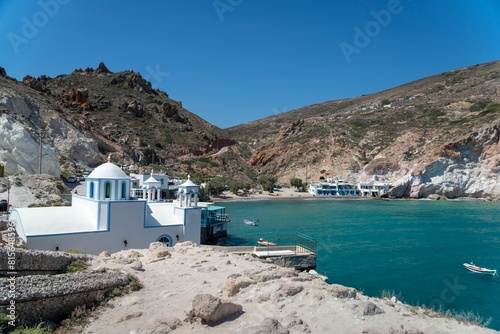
304 244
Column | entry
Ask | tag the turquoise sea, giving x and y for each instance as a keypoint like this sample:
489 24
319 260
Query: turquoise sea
415 248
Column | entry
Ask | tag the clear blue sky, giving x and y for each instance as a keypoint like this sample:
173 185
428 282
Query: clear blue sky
234 61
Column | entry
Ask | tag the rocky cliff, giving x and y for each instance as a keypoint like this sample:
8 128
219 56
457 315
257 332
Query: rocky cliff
29 120
468 167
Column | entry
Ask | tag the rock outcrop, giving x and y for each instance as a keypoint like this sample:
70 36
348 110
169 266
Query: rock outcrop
33 189
19 150
24 122
468 167
368 308
38 84
102 69
212 310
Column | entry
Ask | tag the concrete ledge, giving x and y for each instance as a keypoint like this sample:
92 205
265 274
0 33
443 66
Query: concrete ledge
31 261
54 297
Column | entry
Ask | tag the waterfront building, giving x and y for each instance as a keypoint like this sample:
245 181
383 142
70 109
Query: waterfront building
335 187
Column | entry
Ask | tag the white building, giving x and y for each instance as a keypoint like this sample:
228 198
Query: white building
373 189
107 218
150 186
333 188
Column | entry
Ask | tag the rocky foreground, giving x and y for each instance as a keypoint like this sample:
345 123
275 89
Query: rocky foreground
197 289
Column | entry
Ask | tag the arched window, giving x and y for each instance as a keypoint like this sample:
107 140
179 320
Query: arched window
165 239
124 190
107 190
91 189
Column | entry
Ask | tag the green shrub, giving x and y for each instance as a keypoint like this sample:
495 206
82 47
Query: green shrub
4 322
479 105
389 294
494 107
38 205
250 174
116 292
40 329
134 285
134 282
75 251
75 266
435 113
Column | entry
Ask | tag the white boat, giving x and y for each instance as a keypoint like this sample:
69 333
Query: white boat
263 242
479 270
250 222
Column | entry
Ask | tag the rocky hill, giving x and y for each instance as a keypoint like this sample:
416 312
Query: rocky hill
84 116
437 135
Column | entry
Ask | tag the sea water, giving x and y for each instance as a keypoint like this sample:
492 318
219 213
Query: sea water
414 248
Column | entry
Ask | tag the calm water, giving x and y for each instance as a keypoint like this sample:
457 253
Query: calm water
415 248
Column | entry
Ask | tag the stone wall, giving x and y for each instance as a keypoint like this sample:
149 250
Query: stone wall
54 297
35 261
298 262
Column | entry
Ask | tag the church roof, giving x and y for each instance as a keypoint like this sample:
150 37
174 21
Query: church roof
188 183
152 180
108 170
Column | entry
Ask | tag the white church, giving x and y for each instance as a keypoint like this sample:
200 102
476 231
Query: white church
106 218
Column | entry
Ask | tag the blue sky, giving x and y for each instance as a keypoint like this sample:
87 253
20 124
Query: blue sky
234 61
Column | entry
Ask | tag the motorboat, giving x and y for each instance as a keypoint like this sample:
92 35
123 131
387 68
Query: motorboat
264 242
479 270
250 222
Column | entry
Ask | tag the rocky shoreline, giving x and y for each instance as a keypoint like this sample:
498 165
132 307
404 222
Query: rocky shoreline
198 289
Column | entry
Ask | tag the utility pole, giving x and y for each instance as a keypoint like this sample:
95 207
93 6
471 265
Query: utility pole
306 172
40 153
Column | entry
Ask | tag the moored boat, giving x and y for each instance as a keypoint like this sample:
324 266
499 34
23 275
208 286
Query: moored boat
264 242
250 222
479 270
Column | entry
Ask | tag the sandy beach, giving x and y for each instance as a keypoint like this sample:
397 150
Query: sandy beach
283 193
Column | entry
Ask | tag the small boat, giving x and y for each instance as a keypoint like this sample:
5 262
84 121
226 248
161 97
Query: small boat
250 222
263 242
479 270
